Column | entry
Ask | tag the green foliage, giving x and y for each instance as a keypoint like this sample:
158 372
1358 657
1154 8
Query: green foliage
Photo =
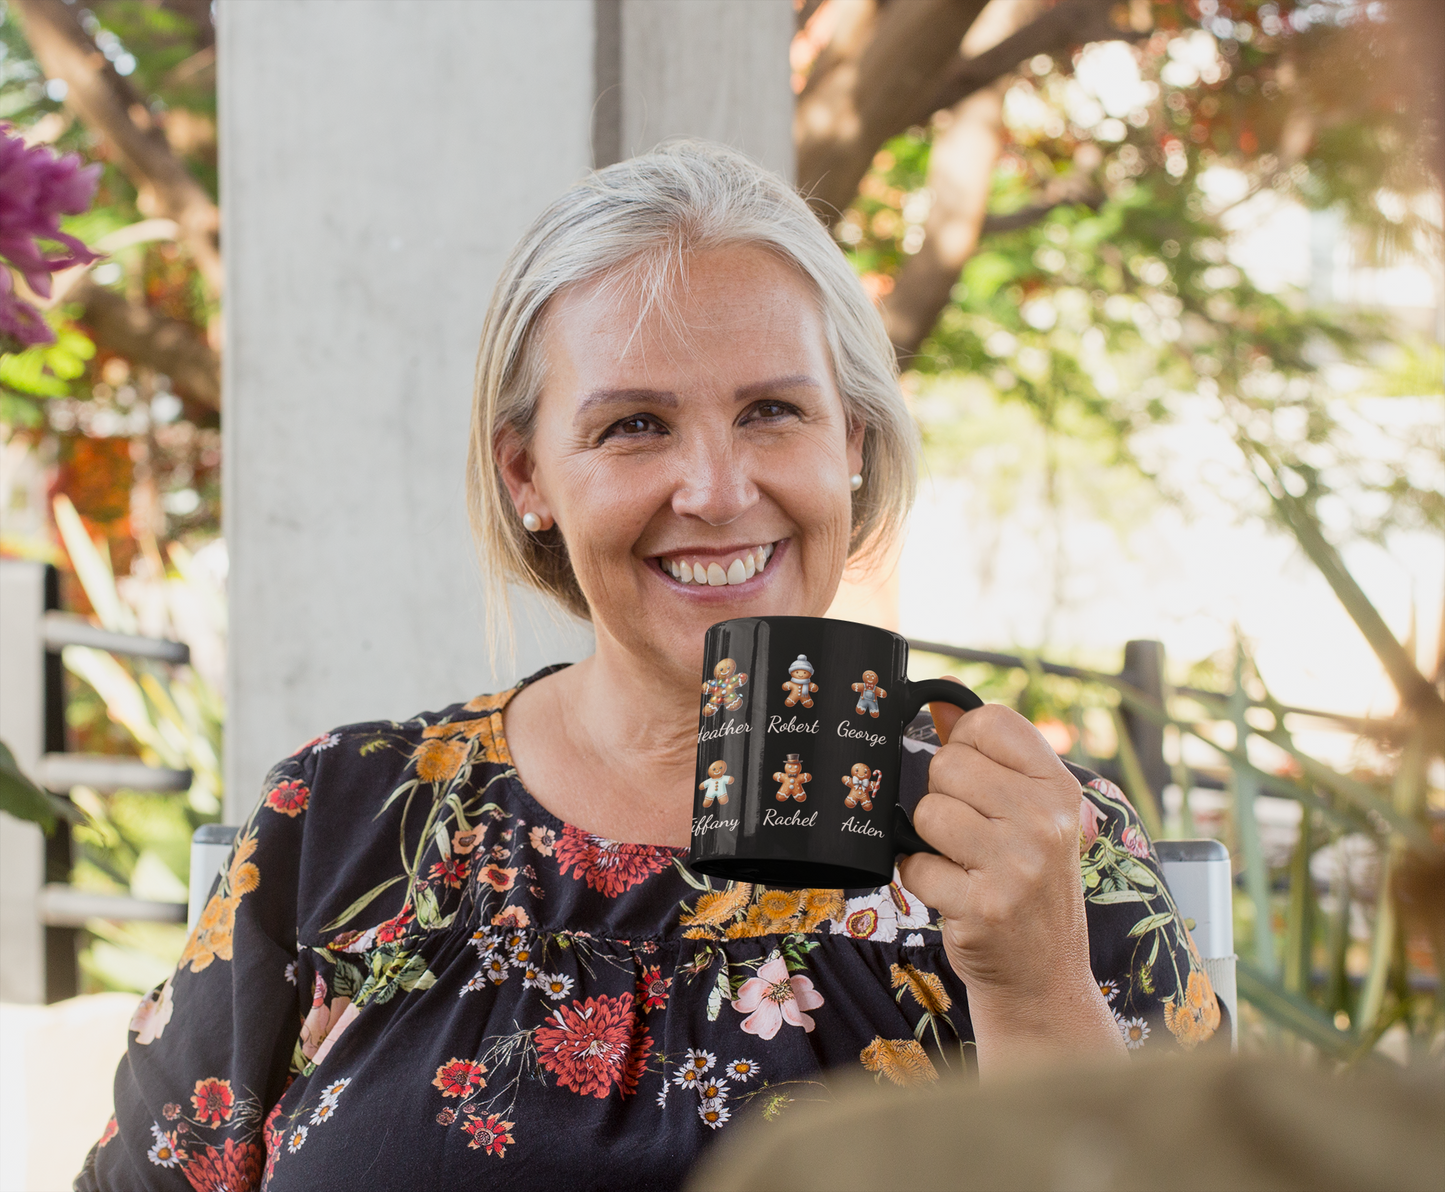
21 798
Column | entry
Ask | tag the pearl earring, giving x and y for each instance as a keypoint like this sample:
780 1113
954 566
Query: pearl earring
855 481
531 522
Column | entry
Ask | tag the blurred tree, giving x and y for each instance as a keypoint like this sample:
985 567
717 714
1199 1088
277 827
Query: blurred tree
1040 196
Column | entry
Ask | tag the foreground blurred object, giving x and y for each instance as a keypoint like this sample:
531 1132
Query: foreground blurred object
1179 1125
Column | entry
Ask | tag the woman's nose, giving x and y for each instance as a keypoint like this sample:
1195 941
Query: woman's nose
714 486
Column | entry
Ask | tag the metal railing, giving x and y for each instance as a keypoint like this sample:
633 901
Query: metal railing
42 912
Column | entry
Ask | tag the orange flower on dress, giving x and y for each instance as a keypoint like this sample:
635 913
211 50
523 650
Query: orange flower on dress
512 916
903 1061
489 1135
222 1169
460 1078
1196 1017
289 798
717 906
445 747
499 878
213 1100
927 988
212 938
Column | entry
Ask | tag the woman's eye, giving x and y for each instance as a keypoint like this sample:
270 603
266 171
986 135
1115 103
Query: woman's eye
771 411
631 427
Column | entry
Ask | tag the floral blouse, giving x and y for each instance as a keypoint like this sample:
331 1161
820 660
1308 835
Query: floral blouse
411 974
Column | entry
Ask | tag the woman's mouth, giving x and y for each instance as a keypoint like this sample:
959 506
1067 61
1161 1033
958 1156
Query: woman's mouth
717 570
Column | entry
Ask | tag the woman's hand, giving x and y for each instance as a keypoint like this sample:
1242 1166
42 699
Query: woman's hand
1004 812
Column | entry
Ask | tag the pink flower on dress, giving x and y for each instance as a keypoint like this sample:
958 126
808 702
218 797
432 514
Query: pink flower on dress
1090 817
773 997
1136 842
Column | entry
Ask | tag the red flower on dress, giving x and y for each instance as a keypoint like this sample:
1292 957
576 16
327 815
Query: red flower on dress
592 1045
111 1130
395 927
213 1100
460 1078
272 1135
489 1134
289 798
652 989
231 1168
607 865
171 1111
453 872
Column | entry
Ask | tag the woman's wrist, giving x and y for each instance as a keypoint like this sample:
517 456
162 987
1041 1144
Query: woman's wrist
1014 1029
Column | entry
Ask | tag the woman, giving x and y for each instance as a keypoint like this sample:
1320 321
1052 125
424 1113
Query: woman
465 947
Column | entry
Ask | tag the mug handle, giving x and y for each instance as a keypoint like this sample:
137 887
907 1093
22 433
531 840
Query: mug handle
943 691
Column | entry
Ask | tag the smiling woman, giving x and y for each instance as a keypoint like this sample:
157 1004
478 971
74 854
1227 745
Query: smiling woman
467 949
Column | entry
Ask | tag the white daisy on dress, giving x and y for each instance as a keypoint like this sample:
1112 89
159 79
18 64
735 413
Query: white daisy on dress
297 1139
555 985
1134 1030
743 1070
324 1112
699 1059
714 1113
164 1152
331 1094
687 1077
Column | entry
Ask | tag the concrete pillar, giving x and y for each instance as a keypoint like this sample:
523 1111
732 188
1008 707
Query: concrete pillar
707 68
379 158
22 728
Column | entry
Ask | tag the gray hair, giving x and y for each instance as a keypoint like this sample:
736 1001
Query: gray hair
636 222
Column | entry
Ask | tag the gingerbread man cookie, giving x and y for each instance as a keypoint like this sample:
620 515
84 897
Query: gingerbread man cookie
799 684
869 693
862 785
716 784
790 780
723 689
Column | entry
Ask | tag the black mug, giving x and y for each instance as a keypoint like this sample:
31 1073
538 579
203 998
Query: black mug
799 749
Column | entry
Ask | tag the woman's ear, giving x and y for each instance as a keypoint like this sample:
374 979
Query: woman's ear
857 428
514 463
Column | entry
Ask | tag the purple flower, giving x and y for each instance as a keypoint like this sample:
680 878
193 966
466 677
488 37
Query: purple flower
36 189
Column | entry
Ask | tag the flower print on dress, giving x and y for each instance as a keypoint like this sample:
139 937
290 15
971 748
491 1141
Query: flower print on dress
163 1152
715 1113
1134 1031
871 917
331 1094
1110 989
608 866
687 1077
154 1012
450 873
652 988
743 1070
773 998
511 917
322 1113
500 878
460 1078
289 798
1195 1017
712 1089
211 939
700 1061
595 1044
489 1135
225 1168
1135 843
903 1061
544 840
555 985
297 1139
213 1100
112 1128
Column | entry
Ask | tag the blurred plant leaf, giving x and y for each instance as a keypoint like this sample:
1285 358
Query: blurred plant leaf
24 800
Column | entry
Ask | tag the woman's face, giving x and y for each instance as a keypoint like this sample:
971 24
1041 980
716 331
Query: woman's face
708 434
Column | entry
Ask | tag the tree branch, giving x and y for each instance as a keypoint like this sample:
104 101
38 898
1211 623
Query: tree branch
960 167
144 337
111 108
1068 23
882 59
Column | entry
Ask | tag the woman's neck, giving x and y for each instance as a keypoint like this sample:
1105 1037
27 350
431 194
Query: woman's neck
609 745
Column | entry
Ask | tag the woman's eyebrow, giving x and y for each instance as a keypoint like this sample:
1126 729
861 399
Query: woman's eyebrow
776 385
615 397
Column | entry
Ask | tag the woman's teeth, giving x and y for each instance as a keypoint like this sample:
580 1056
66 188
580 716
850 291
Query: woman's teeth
739 571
